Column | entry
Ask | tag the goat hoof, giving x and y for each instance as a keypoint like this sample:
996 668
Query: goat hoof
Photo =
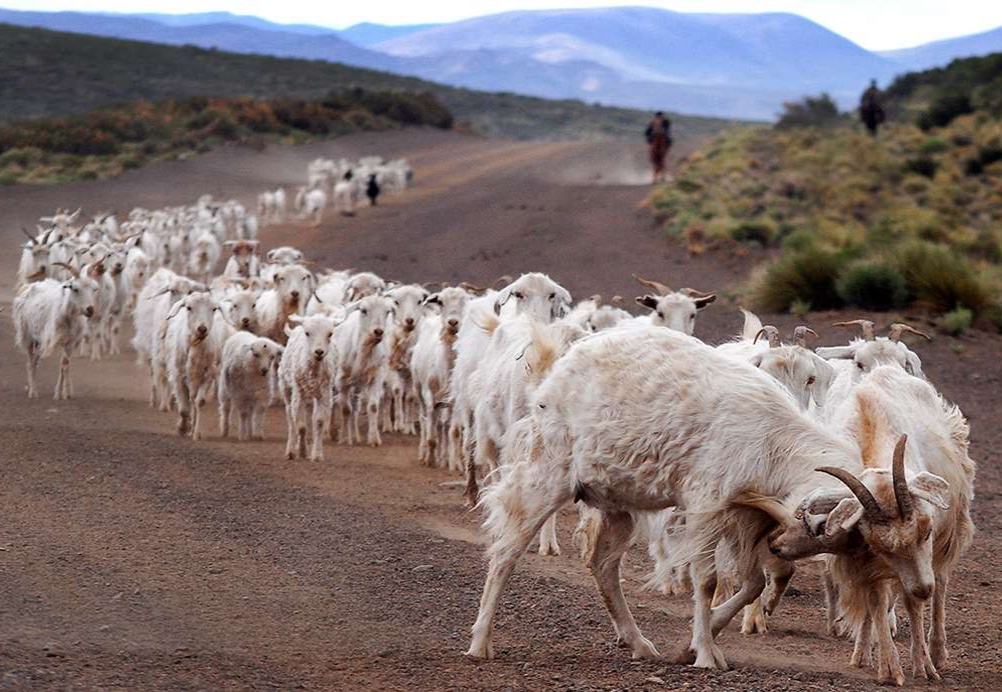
685 657
644 649
484 650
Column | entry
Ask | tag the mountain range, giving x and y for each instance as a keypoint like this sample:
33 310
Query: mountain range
730 65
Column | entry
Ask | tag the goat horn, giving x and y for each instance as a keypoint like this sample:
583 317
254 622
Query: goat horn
865 326
504 280
771 333
693 293
72 270
316 297
616 300
801 333
472 288
31 238
898 328
653 285
862 493
902 494
597 298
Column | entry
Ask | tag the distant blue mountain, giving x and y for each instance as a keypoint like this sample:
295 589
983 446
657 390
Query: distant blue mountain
942 52
732 65
368 34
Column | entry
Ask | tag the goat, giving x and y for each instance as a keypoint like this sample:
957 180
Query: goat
245 386
673 309
47 315
191 358
363 355
591 437
306 375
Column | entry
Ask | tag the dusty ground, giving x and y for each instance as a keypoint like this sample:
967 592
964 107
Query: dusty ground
130 559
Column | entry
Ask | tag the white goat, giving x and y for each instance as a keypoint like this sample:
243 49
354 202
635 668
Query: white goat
49 314
431 366
613 426
293 286
363 356
245 385
306 375
191 358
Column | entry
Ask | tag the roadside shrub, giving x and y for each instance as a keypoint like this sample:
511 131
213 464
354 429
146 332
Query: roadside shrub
760 232
811 111
130 163
21 156
807 276
985 246
956 322
989 154
933 145
944 109
940 280
873 286
922 165
973 166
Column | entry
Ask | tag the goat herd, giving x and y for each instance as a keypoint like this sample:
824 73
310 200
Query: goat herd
732 462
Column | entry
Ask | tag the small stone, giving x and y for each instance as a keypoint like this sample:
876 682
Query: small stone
654 679
422 568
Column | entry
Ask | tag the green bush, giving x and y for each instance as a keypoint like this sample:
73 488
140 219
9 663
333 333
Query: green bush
956 322
944 109
989 154
808 276
759 232
873 286
940 280
811 111
933 146
922 165
973 166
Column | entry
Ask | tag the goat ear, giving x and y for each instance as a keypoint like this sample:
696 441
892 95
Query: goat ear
503 297
288 332
703 301
175 308
931 488
844 517
913 365
648 301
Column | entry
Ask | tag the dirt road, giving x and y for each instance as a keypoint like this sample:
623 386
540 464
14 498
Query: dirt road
131 559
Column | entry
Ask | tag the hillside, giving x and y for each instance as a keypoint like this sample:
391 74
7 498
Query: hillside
730 65
51 73
939 53
909 219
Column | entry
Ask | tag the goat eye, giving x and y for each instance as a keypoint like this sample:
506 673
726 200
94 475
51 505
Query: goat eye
552 296
364 312
661 314
307 333
810 381
859 365
518 295
189 307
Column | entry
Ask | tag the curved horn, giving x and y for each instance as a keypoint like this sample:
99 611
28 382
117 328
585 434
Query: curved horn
862 493
504 280
472 288
865 326
771 333
898 328
906 505
801 333
72 270
653 285
693 293
31 238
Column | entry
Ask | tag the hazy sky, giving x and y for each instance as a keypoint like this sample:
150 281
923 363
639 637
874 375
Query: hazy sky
874 24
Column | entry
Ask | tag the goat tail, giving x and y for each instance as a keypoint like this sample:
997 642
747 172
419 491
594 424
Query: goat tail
528 488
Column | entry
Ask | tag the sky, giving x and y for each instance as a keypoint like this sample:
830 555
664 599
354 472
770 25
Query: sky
873 24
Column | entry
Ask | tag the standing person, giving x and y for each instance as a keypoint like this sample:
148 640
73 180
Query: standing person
658 134
372 190
870 110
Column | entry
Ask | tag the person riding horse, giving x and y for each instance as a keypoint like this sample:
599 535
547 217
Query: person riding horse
659 141
870 110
